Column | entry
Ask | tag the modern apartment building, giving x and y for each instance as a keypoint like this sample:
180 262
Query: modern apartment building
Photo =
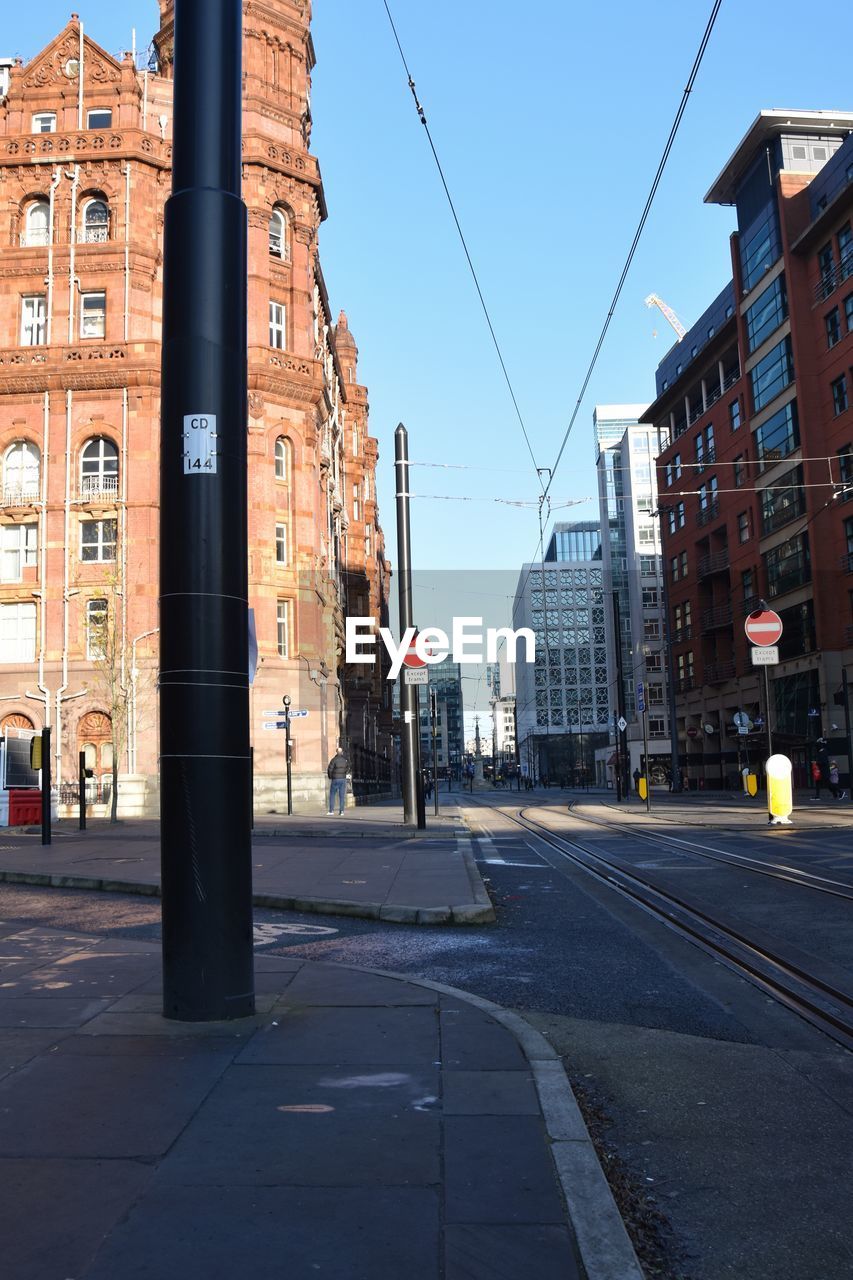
561 699
754 417
85 154
634 589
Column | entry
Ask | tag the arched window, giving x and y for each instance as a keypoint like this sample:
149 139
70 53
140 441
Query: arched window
99 469
21 473
96 222
282 459
37 223
278 234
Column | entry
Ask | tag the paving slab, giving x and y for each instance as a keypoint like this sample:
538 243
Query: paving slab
365 864
360 1125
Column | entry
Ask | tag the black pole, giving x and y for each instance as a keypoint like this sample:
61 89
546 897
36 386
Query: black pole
413 814
672 711
287 758
622 760
767 714
845 694
205 782
433 707
45 786
81 784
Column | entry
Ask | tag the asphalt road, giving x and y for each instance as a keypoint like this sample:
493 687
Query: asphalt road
732 1111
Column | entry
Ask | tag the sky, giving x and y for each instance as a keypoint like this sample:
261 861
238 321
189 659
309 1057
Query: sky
549 122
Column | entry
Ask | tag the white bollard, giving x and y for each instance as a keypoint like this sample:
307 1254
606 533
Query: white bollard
780 797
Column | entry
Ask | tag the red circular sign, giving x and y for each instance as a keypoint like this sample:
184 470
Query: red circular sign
692 731
764 627
411 657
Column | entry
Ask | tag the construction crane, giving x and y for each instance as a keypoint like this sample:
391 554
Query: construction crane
654 301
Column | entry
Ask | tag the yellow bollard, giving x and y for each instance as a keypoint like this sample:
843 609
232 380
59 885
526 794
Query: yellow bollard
780 798
642 788
751 784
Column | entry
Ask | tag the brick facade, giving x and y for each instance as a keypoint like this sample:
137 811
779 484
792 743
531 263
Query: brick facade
81 218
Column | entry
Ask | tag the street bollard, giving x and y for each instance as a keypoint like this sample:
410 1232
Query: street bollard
780 799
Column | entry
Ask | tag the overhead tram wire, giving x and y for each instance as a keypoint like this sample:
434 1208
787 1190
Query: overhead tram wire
638 233
423 120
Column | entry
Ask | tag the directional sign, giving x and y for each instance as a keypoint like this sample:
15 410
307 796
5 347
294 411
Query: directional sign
294 715
763 627
765 656
274 724
641 696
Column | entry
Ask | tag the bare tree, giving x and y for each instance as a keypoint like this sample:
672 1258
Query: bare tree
108 650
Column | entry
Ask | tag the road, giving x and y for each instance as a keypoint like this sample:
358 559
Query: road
734 1112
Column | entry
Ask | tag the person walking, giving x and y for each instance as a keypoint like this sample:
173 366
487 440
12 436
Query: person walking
824 778
636 776
337 773
834 779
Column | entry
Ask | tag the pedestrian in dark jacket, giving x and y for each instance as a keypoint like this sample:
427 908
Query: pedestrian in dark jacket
337 772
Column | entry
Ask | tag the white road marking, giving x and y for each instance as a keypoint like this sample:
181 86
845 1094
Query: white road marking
264 933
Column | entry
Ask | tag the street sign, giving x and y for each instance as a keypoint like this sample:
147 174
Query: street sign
741 719
641 696
764 627
692 731
622 724
416 675
294 715
273 724
412 660
766 656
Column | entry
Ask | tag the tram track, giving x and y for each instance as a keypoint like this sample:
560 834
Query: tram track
783 973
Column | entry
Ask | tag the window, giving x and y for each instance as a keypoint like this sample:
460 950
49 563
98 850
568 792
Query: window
282 459
845 472
839 394
93 314
356 510
778 436
646 535
18 546
744 526
278 234
650 598
699 451
277 323
655 695
848 534
99 118
21 473
772 374
788 566
98 540
648 566
96 223
282 619
845 251
96 629
783 502
676 517
673 568
826 267
99 469
747 586
683 564
44 122
681 621
366 485
734 415
657 727
651 629
368 539
33 320
37 223
832 323
759 247
739 471
767 313
848 311
17 632
281 544
654 662
673 469
355 440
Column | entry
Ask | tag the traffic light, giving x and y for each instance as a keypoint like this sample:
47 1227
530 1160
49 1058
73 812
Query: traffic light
35 752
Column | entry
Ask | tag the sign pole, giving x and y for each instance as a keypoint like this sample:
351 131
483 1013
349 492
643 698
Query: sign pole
205 769
646 760
45 785
287 752
767 711
410 730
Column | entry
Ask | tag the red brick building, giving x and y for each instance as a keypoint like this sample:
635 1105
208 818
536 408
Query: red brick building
84 175
755 475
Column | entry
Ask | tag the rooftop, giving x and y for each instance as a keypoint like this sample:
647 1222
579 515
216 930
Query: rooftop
766 125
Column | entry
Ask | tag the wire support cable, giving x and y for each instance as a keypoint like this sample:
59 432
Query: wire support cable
641 226
423 120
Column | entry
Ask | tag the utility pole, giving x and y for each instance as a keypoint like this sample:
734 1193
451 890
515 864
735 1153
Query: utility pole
674 760
622 760
433 711
205 768
410 737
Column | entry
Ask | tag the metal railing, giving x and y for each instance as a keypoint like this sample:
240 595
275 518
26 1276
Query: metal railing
279 247
717 672
705 514
719 616
19 496
830 280
847 562
716 562
94 235
96 792
98 486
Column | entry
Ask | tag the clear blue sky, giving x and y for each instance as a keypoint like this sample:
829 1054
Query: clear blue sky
549 121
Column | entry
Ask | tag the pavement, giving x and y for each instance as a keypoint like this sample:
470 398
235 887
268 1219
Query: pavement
721 810
360 1126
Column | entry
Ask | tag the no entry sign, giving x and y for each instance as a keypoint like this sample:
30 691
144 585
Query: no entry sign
411 657
764 627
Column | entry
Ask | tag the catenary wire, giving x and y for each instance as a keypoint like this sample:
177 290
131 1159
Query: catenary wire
638 233
423 120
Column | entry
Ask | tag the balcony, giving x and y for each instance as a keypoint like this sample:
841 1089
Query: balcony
99 488
830 280
706 514
682 634
847 563
279 248
94 235
685 684
716 562
731 378
720 616
718 672
26 495
848 636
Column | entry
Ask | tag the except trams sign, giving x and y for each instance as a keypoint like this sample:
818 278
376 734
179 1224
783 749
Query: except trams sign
465 644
